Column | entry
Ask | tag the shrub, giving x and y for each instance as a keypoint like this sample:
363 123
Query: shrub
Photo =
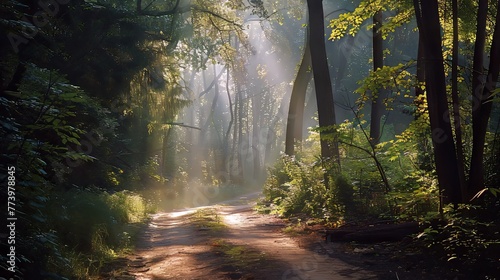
90 227
467 239
295 186
128 207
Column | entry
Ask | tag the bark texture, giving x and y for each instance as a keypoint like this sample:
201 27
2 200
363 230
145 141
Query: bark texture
322 81
442 138
297 100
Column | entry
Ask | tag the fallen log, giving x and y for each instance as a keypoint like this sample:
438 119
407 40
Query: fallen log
373 233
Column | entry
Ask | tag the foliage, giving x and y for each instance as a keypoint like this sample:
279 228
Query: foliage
467 239
92 227
395 78
295 185
492 158
396 178
38 128
351 22
65 139
135 71
40 119
412 187
66 230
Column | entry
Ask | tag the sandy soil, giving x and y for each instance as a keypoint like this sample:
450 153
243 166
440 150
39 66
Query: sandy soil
173 248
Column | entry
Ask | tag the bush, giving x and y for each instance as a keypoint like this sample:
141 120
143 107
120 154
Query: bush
128 206
467 239
91 227
297 187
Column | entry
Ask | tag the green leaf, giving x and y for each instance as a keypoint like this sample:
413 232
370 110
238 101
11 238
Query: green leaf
73 140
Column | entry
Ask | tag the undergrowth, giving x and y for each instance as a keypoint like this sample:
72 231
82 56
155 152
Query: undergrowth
464 237
295 186
90 228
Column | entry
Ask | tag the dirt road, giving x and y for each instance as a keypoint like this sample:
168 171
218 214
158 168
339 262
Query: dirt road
246 245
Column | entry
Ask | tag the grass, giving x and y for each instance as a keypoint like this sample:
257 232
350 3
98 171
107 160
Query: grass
90 229
239 256
208 218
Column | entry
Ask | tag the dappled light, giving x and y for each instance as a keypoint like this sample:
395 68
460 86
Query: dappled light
249 139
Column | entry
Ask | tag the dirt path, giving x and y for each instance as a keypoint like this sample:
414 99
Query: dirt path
299 258
249 246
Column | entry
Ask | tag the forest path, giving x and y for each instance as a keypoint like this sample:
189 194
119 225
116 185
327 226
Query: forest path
248 246
294 258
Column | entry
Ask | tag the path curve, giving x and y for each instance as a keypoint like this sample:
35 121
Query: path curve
264 233
173 248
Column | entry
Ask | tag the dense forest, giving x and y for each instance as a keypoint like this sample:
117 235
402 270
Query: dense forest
340 111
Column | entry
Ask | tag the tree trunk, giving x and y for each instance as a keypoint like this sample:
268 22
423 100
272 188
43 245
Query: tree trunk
297 100
481 107
256 113
227 135
271 137
377 109
210 116
167 161
322 82
442 138
218 147
344 51
239 151
234 164
420 72
193 135
456 102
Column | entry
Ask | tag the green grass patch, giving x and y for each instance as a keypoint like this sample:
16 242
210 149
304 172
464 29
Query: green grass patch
207 218
291 230
239 256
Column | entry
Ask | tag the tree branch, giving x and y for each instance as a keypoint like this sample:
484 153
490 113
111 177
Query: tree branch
183 125
176 9
218 16
212 83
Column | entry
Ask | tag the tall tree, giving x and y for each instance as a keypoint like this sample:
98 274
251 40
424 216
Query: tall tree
456 101
427 15
227 135
420 75
322 82
377 109
481 93
256 128
297 99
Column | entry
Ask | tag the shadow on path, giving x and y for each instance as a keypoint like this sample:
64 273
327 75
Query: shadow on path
253 246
